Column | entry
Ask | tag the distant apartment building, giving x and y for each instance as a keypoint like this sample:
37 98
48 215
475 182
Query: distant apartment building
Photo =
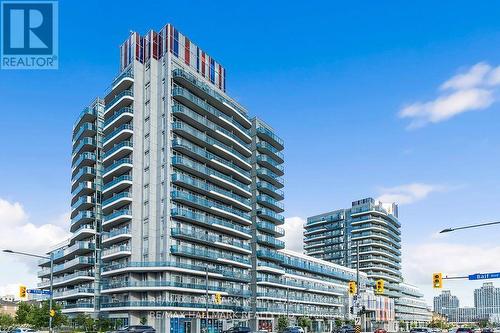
487 301
176 190
374 228
463 315
446 303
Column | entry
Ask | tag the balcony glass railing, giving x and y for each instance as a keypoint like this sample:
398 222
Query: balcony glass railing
118 114
179 212
267 199
212 268
75 291
86 214
115 249
264 212
118 213
271 255
208 156
271 228
116 198
265 185
126 74
83 157
178 91
384 244
85 112
117 130
179 108
117 147
85 171
117 97
117 180
208 254
179 160
271 241
84 142
117 163
85 185
266 146
156 284
208 187
270 134
159 304
197 235
78 305
262 172
115 232
208 203
84 127
83 200
203 86
270 161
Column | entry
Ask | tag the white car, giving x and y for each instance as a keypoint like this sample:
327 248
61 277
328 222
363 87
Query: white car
23 330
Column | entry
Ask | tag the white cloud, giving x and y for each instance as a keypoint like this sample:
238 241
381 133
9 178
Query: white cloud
18 233
473 90
408 193
420 261
294 233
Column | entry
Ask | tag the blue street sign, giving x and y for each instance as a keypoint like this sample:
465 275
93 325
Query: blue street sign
38 291
483 276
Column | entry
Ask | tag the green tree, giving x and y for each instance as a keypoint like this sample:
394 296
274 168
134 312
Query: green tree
338 322
304 322
85 322
104 324
23 312
6 321
282 323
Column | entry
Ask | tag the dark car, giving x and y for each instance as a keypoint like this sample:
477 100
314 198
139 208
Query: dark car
380 330
464 330
294 329
420 330
238 329
487 330
137 329
345 329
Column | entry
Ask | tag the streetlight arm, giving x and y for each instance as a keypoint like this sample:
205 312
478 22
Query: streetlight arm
468 227
26 254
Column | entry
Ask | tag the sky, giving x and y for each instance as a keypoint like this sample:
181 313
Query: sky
388 99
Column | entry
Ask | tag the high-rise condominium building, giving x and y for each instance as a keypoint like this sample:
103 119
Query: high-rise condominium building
445 303
373 228
177 195
487 300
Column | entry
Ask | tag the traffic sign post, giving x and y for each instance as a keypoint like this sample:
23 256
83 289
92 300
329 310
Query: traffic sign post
38 292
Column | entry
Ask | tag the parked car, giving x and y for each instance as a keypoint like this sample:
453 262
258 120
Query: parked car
345 329
137 329
293 329
23 330
464 330
420 330
380 330
487 330
238 329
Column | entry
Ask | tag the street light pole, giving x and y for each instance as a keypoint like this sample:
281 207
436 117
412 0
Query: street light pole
51 258
469 226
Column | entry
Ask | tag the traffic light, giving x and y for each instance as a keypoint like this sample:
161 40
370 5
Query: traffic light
218 298
437 280
52 312
379 286
352 288
22 292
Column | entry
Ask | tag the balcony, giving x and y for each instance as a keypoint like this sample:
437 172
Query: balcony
271 164
269 202
116 201
116 252
205 254
230 108
270 228
214 161
118 167
69 279
85 130
118 151
267 135
116 236
270 216
210 190
77 307
216 224
74 293
122 116
119 134
214 176
211 144
84 145
211 206
84 188
83 217
166 305
270 255
82 232
199 105
123 81
118 184
270 177
223 242
377 243
84 174
85 159
196 120
121 100
118 217
78 249
88 115
273 191
83 203
269 267
74 264
266 148
270 241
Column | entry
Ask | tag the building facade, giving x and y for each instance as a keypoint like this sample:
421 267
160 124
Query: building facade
373 228
487 301
445 303
177 198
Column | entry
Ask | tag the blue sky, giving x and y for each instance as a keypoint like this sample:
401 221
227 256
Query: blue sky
331 78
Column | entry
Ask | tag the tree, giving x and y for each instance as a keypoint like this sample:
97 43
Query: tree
402 325
6 321
84 321
282 323
23 311
338 322
104 324
304 322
